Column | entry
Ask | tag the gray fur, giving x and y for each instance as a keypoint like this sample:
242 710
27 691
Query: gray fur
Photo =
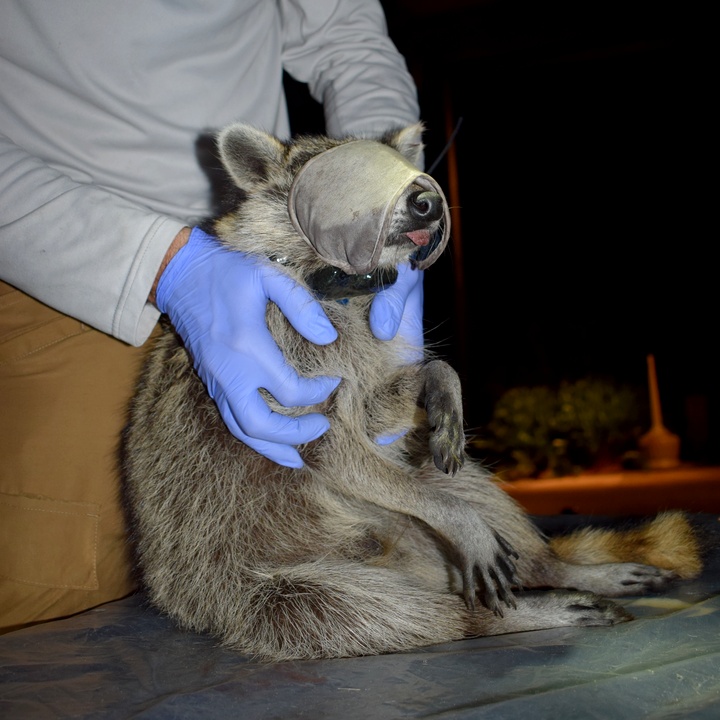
368 549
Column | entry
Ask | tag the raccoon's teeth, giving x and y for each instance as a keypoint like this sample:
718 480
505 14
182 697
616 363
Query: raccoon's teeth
419 237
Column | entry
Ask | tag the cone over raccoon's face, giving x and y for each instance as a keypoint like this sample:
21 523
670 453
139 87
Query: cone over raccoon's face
343 200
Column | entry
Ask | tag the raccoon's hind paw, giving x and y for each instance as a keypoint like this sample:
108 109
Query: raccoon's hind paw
636 579
592 609
617 579
562 608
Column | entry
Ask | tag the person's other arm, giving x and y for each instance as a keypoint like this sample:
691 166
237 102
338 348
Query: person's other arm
342 50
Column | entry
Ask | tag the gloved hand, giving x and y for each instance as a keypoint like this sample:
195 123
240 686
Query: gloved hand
216 300
399 308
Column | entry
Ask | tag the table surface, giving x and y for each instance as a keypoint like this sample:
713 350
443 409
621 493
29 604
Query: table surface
123 660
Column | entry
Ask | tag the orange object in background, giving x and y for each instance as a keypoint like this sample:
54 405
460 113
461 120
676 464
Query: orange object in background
626 492
660 447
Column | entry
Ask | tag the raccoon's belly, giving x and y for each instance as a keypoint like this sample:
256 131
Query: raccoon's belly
201 498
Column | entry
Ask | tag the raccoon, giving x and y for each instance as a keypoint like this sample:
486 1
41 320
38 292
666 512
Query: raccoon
369 548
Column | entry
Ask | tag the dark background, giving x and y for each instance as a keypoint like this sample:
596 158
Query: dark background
583 174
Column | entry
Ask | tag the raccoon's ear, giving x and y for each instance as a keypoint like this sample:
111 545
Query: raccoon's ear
251 156
408 142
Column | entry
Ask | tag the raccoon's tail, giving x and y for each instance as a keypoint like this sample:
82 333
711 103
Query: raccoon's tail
668 541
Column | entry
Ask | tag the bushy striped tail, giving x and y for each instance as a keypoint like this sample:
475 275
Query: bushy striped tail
668 541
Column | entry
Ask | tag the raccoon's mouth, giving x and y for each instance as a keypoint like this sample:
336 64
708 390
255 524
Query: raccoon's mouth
331 283
427 242
419 237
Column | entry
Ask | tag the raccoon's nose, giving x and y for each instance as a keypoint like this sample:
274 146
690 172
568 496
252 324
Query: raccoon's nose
425 205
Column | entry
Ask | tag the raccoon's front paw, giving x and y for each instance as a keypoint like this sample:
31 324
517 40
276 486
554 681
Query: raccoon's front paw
443 406
447 438
488 572
447 442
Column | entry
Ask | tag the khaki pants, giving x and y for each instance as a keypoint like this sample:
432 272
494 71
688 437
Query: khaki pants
64 389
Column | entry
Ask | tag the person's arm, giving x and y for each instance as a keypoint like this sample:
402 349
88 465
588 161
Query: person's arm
178 242
342 50
78 248
46 223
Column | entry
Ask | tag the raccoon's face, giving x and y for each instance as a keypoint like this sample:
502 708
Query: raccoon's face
342 213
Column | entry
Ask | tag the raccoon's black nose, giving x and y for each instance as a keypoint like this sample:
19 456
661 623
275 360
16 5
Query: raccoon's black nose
425 205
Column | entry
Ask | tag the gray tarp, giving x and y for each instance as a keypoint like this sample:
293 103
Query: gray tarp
123 660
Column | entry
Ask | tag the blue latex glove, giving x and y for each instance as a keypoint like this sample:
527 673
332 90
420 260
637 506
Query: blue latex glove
216 300
399 310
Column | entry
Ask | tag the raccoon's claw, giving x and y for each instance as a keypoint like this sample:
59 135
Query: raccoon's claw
493 588
506 546
494 583
447 440
448 463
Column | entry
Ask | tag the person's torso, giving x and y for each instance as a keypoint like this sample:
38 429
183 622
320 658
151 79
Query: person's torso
118 94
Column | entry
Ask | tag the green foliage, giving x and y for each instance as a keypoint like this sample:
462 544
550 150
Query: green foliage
559 431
